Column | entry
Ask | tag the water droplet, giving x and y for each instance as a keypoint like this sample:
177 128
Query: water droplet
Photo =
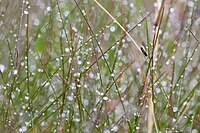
167 62
63 115
171 10
84 13
70 98
66 50
91 75
194 131
26 97
112 29
85 1
79 62
15 72
190 3
185 103
76 119
139 70
164 83
17 89
2 67
26 12
40 70
23 129
131 5
49 9
106 36
105 98
36 22
23 107
124 2
79 86
175 109
120 52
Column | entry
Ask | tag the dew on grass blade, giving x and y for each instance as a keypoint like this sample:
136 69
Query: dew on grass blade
112 29
2 67
23 129
194 131
115 129
105 98
26 12
49 9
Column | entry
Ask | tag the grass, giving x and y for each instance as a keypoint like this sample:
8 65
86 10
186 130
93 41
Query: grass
74 66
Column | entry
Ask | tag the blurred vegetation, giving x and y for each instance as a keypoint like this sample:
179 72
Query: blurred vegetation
66 66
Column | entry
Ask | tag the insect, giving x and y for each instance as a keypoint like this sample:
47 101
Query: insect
143 51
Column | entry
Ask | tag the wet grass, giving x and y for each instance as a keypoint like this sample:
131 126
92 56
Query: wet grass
86 66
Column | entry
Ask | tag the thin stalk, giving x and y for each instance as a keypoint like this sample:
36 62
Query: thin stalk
134 42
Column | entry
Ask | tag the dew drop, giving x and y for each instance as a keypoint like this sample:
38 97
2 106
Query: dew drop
23 129
171 10
36 22
185 103
91 75
164 83
137 128
15 72
84 13
114 129
105 98
175 109
66 50
26 12
26 97
70 98
76 119
131 5
194 131
106 36
79 62
48 8
40 70
190 3
79 86
139 70
2 67
167 62
112 29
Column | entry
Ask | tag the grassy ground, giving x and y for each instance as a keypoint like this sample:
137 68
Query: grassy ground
67 66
